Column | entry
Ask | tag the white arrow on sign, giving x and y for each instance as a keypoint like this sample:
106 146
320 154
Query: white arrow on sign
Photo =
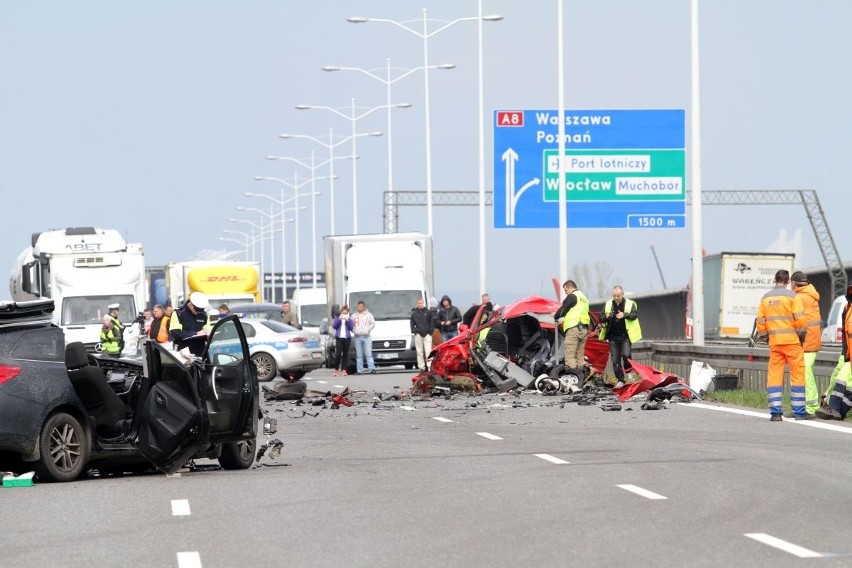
512 197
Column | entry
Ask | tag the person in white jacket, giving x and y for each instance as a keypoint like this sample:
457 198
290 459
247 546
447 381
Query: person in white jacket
362 324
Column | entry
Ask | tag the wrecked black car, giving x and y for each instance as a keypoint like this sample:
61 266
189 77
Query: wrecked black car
63 411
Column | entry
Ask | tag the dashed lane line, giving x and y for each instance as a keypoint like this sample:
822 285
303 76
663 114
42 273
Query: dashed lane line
340 386
488 436
322 382
180 507
551 459
788 547
441 419
764 415
189 559
643 492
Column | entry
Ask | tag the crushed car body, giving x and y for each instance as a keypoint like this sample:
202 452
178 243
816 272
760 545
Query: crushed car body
516 345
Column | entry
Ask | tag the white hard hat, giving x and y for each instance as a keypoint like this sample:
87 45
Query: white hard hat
199 300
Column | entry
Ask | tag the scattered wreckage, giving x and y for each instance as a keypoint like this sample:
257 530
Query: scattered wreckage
518 346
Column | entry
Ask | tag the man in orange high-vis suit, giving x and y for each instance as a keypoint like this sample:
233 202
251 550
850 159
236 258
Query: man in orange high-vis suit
781 317
813 343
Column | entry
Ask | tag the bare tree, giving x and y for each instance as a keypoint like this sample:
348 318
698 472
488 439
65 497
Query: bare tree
596 280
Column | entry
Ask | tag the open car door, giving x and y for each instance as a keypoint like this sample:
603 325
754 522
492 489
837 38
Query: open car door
228 384
183 409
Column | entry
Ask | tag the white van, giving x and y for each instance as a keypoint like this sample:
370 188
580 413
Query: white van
311 306
833 330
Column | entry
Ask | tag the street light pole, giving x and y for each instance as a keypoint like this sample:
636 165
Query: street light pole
295 185
331 145
312 166
254 240
353 118
425 35
388 81
271 217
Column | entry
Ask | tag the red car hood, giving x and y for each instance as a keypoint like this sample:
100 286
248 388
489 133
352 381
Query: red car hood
530 305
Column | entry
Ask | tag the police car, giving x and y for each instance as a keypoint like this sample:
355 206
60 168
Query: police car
278 349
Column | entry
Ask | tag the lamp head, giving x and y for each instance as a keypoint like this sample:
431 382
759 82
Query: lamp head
357 20
447 66
303 107
331 68
492 18
285 136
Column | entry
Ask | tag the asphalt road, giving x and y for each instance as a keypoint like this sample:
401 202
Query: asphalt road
468 481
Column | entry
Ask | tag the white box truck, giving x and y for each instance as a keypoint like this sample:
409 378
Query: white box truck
388 272
83 270
734 283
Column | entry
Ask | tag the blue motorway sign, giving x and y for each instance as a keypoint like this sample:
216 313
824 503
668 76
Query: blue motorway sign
623 169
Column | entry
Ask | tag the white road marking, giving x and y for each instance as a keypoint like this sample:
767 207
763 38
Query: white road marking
323 382
489 436
812 423
180 507
643 492
175 474
189 559
551 459
789 547
339 386
441 419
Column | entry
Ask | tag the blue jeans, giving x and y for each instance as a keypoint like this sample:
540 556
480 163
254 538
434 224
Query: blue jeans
445 335
363 345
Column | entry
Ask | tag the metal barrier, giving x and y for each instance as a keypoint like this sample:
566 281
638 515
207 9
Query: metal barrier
747 363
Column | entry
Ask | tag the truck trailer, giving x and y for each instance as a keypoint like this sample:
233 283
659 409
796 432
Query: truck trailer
83 270
734 283
223 282
389 272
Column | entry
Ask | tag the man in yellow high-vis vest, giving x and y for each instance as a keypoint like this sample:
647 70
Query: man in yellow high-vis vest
573 316
621 329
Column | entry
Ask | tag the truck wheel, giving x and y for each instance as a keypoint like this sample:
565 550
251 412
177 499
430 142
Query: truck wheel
266 367
238 455
64 450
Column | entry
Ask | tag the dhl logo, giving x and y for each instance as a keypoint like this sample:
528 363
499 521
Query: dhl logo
230 278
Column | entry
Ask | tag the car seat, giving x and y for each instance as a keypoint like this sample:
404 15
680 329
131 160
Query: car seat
90 383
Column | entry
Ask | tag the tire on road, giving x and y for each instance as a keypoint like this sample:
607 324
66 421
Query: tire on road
238 455
266 367
64 449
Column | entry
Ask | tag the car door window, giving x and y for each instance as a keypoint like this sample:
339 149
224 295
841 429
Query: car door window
225 347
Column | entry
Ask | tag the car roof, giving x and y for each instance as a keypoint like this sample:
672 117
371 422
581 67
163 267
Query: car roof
33 313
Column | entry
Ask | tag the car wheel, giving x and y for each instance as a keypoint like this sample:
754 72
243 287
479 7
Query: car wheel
266 367
238 455
64 452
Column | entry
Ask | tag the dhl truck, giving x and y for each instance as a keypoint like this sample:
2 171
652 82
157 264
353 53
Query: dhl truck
223 282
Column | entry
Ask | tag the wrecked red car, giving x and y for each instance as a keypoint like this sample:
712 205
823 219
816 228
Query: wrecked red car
517 345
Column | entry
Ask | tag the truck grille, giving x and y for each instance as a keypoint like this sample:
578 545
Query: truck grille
388 344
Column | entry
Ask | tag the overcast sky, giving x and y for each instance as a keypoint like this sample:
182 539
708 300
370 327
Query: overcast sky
153 117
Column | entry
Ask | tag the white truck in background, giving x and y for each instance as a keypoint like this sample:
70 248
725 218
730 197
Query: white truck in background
222 281
83 270
734 283
388 272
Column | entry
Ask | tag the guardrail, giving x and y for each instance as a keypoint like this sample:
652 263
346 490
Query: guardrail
747 363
